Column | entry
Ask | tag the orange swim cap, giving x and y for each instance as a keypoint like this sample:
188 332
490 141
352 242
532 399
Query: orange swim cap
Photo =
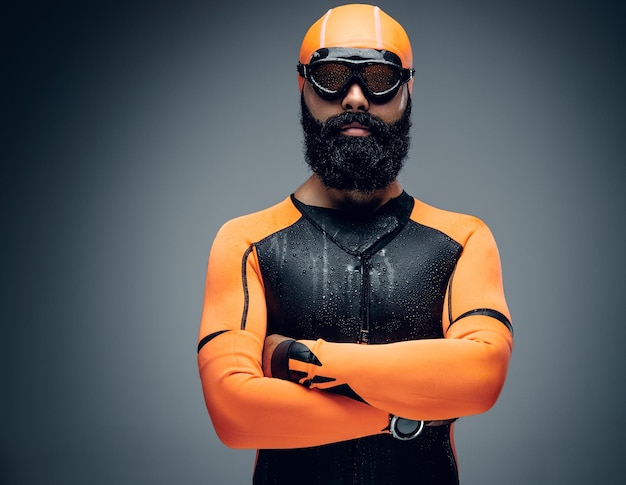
357 25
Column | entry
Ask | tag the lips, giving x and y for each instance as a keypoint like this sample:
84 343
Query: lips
355 129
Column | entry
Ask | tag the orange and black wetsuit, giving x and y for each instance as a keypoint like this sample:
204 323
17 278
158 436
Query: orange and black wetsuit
421 286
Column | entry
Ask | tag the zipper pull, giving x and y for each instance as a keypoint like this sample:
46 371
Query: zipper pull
364 337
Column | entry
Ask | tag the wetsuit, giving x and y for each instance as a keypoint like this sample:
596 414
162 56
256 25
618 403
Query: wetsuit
420 286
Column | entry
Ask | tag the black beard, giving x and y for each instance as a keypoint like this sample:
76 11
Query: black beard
361 163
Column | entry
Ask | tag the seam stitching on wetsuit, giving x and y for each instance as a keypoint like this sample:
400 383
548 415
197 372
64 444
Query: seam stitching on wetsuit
450 322
402 222
244 282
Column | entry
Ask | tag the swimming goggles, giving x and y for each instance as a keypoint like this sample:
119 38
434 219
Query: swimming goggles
332 71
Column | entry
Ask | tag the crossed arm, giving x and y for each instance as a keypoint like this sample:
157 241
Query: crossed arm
458 375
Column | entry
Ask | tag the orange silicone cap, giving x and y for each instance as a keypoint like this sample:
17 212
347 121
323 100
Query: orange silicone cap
357 25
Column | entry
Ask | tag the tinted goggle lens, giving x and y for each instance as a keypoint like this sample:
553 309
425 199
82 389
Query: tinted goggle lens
379 80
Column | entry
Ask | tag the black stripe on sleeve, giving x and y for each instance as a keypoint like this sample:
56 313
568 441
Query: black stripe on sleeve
208 338
489 313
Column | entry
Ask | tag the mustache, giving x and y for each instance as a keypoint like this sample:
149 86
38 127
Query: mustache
333 125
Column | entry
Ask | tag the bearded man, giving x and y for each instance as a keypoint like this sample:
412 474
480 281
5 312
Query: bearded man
346 328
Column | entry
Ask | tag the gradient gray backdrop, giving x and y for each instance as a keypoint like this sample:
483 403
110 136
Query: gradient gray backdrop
131 133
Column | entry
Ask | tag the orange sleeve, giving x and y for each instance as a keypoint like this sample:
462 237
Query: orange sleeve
433 379
247 409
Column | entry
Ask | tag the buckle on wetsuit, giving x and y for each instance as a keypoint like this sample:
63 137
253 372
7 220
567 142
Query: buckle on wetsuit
404 429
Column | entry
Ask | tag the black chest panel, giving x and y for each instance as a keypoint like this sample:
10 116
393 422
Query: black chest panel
376 280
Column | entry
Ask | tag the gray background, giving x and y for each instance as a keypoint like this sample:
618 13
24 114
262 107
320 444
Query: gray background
131 133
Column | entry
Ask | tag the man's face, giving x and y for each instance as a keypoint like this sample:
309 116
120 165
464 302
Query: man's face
352 143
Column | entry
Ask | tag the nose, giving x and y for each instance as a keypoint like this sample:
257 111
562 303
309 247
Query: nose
355 99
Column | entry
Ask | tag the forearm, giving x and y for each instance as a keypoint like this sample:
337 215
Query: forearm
252 411
422 379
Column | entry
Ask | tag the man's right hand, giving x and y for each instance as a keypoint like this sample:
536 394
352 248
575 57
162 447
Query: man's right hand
271 343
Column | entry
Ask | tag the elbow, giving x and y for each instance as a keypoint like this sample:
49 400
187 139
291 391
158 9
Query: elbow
231 423
488 385
487 398
235 425
478 397
231 437
225 378
228 414
482 374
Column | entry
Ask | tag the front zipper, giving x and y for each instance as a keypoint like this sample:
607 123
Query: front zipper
364 334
